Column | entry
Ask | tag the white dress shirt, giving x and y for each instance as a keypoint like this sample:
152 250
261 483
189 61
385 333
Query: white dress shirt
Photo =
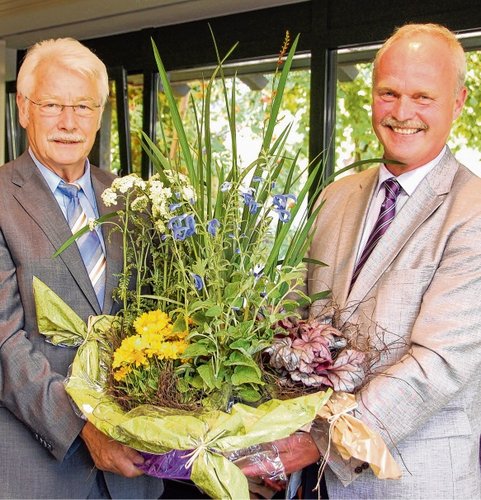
408 181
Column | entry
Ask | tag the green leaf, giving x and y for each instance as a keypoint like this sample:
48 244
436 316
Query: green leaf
180 324
197 382
245 375
241 344
290 305
207 374
232 290
248 394
175 115
240 359
182 385
198 318
320 295
196 349
214 311
278 97
82 231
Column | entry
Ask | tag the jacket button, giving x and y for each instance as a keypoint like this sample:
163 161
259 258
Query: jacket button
358 469
365 465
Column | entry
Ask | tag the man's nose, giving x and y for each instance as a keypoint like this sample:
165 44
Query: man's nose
67 118
403 109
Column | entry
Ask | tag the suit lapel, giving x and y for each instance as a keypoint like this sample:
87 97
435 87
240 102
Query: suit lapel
352 223
39 202
421 204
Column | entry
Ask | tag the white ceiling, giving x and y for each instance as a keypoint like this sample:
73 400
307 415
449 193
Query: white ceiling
24 22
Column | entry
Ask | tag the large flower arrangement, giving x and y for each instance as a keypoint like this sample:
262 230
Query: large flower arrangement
213 268
214 254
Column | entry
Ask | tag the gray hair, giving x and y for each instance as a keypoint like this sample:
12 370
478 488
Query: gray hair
434 30
69 53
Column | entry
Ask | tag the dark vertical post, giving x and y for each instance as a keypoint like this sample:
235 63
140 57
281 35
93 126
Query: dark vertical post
149 116
323 92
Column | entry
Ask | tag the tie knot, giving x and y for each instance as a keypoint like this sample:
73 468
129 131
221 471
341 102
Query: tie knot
392 188
70 190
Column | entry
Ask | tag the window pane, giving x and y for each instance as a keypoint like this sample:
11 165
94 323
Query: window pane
355 139
253 96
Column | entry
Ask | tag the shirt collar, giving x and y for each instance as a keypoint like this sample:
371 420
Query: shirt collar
53 180
409 181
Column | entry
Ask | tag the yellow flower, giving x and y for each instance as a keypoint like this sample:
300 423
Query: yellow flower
121 373
131 351
154 322
173 350
182 335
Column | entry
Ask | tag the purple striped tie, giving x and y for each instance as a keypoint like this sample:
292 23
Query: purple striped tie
89 243
386 215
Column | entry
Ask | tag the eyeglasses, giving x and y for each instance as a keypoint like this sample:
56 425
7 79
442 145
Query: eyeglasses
55 109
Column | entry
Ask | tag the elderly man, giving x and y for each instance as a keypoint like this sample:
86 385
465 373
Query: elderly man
403 248
47 450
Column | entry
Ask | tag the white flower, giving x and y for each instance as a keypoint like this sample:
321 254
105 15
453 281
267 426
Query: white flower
139 204
160 197
124 184
188 193
92 223
109 197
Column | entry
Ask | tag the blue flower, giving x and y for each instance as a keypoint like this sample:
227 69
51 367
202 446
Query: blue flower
279 202
212 226
225 186
257 179
198 283
250 201
174 206
182 226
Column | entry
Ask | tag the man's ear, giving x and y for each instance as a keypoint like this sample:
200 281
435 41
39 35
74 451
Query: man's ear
23 110
459 103
100 117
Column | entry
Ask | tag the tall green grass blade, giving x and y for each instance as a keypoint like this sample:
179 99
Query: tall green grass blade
276 105
176 118
82 231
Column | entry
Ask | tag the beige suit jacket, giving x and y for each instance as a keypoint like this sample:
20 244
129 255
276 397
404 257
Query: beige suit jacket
419 293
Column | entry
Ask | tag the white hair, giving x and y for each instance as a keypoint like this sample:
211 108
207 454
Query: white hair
68 53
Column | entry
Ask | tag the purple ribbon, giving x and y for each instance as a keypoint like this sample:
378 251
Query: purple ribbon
171 465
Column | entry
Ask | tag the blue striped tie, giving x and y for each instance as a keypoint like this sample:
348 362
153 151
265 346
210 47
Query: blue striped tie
386 215
89 243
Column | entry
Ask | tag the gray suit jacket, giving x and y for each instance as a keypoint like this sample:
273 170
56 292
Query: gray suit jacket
37 422
420 293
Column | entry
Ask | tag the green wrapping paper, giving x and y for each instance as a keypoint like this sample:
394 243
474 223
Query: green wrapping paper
210 434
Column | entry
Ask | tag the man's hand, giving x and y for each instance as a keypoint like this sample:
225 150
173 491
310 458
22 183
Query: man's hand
295 452
109 455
